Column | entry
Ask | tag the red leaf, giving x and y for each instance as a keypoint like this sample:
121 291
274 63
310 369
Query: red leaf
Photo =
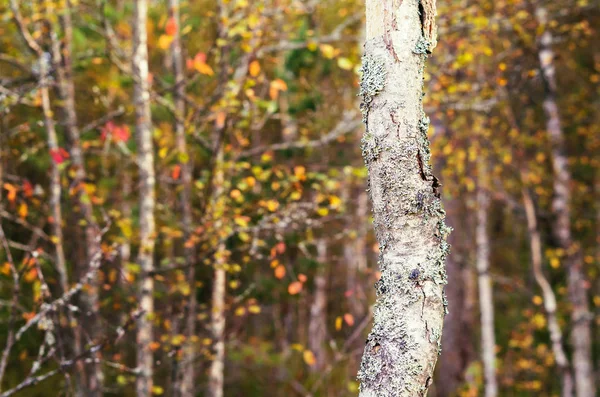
59 155
171 27
121 133
27 188
200 57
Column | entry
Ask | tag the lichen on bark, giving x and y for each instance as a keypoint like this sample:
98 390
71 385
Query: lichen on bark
408 217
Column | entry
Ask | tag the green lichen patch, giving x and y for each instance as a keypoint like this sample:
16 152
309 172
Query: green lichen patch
371 147
422 47
372 82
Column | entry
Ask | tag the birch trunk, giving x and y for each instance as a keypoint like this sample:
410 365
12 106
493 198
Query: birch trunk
90 382
145 159
581 339
403 346
458 324
317 326
55 187
217 366
185 197
219 291
486 301
549 297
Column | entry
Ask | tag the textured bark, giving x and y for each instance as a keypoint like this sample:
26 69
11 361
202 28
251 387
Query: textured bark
90 382
405 341
581 339
317 326
486 301
145 159
549 297
457 338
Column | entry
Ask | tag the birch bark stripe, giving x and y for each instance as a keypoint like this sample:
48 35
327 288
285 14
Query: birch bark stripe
403 345
145 158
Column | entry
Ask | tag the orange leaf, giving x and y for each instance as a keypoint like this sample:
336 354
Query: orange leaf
171 27
154 346
254 68
295 288
280 247
176 172
220 121
349 319
309 357
276 86
12 192
302 278
280 272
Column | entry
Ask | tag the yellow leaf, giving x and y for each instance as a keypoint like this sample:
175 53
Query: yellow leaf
254 309
328 50
254 68
338 323
334 201
164 41
157 390
309 357
203 68
345 63
240 311
23 210
537 300
323 211
554 262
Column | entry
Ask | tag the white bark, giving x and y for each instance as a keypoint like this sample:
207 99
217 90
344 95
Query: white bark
486 302
217 366
55 187
219 290
317 326
581 339
549 297
145 159
403 346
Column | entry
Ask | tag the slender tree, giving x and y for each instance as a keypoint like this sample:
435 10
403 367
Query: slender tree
581 337
484 281
548 295
405 341
145 159
317 326
90 382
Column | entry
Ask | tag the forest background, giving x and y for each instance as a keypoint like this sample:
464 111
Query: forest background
193 219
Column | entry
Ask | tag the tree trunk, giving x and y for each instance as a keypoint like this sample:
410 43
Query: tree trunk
219 291
90 383
556 337
185 197
457 339
403 346
580 317
317 327
55 187
145 159
486 301
217 366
